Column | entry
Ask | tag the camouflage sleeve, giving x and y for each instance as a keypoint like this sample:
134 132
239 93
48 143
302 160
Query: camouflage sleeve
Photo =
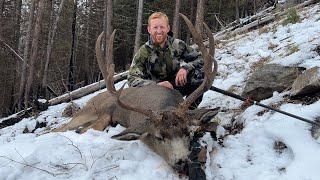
138 75
190 58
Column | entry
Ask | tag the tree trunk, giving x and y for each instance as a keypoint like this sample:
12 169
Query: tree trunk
17 21
43 90
104 24
26 55
52 33
175 24
88 77
71 76
191 17
219 12
1 16
1 8
109 17
34 50
109 20
237 11
246 8
200 16
104 20
138 29
16 45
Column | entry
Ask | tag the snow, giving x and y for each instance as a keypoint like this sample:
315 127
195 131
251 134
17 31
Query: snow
249 154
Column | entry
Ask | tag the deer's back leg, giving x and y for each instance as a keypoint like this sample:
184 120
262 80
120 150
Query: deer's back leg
99 124
79 121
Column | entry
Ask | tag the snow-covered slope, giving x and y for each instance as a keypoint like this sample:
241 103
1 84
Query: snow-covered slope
270 145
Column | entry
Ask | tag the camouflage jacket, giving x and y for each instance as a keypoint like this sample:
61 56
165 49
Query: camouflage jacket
152 64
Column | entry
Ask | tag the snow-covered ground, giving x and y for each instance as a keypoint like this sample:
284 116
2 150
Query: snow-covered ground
250 154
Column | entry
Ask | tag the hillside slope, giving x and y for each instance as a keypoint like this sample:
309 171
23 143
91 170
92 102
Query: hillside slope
269 146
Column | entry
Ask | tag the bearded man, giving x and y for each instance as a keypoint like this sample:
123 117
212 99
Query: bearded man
166 61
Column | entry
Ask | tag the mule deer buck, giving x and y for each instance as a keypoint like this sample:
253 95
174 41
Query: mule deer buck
156 115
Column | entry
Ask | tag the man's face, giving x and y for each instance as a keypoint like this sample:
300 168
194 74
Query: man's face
158 29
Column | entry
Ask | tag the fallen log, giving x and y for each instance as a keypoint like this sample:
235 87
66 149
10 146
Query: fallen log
78 93
243 21
41 106
245 28
258 20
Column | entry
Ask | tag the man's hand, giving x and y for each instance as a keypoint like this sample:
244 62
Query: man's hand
181 78
165 84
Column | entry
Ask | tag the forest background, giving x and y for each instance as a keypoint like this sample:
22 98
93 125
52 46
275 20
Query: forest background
47 47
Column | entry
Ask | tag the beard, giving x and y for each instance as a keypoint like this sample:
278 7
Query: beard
159 39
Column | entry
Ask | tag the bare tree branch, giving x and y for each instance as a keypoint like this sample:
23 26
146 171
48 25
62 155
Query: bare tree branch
12 50
28 165
77 150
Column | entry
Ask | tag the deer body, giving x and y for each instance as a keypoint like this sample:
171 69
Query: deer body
99 108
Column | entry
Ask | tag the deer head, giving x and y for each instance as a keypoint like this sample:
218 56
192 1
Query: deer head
168 130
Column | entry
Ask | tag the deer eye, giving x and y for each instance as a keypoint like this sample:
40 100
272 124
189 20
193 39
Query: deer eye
159 138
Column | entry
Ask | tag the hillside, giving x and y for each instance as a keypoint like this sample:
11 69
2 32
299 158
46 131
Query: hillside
262 145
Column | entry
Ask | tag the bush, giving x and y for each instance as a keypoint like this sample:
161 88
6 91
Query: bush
292 17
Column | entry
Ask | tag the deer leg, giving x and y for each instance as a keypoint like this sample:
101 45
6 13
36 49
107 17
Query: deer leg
99 124
82 120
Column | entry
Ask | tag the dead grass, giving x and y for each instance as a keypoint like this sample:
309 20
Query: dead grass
260 63
264 29
272 46
292 49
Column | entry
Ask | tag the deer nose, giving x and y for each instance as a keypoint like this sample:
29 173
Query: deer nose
191 169
181 167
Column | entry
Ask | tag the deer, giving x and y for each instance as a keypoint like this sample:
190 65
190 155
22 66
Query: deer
156 115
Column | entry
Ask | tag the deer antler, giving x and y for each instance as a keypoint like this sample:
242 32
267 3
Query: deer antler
107 70
208 58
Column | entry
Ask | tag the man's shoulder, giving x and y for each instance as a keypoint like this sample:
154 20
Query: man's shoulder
144 51
178 44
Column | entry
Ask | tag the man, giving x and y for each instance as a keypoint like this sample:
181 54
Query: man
165 61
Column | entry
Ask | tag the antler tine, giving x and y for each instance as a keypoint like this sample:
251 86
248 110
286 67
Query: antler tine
211 53
102 66
107 69
209 75
110 63
110 83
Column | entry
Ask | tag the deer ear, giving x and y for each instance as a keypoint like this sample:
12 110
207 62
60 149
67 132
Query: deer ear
145 137
127 135
206 118
202 116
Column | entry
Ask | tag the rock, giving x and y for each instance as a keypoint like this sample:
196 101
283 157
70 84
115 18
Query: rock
315 130
271 77
317 49
307 83
70 110
40 105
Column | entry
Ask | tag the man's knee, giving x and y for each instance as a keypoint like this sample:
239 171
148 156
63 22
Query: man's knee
196 77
